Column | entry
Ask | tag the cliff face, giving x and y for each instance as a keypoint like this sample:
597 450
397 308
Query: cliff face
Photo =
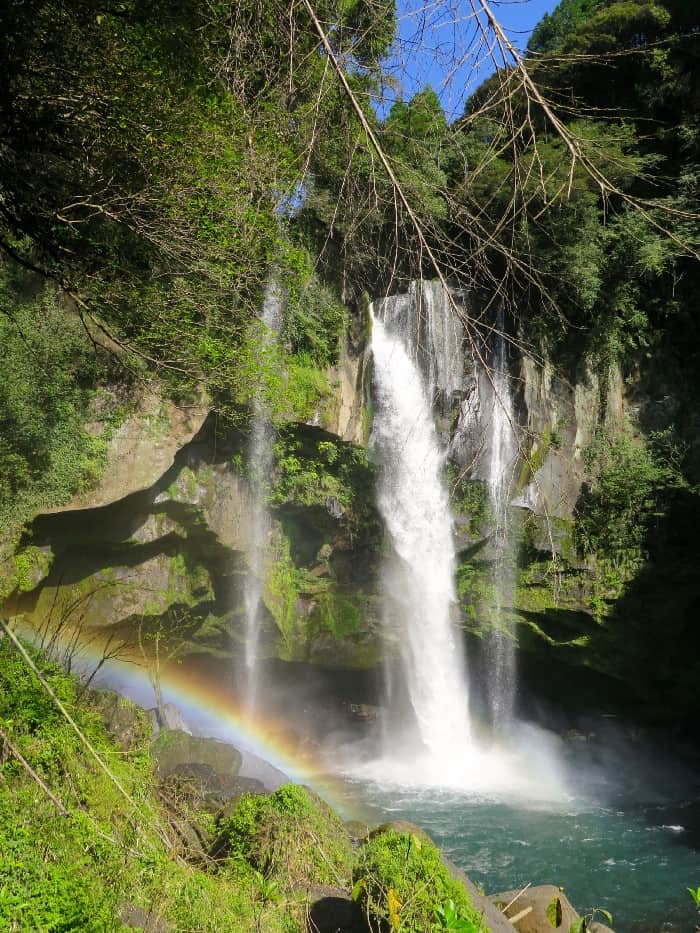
169 552
164 543
604 555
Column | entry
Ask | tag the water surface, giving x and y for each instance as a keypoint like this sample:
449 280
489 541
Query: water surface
634 858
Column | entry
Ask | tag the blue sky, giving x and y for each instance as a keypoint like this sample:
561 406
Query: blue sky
438 44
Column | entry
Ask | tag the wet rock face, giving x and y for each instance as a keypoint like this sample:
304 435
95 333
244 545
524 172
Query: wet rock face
172 558
561 418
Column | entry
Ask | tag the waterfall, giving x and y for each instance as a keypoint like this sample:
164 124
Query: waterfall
419 578
427 737
432 337
259 464
502 459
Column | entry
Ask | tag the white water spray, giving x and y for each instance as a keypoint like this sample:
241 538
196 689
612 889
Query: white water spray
419 580
259 464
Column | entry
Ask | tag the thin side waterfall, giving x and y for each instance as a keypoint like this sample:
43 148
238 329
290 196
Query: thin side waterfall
502 449
259 465
419 578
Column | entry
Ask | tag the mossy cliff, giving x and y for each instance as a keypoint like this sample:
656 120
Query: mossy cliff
171 558
603 553
603 543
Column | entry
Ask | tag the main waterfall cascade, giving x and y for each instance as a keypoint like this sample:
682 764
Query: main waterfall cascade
260 458
427 737
419 580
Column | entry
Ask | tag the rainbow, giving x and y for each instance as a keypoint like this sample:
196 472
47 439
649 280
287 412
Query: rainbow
207 709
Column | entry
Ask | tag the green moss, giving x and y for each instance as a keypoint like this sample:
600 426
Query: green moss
367 419
311 472
30 567
291 835
281 593
173 747
470 498
338 614
400 883
474 587
537 454
308 392
314 320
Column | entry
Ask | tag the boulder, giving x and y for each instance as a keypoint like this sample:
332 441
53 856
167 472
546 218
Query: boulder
141 449
536 900
175 750
402 826
124 721
358 831
167 716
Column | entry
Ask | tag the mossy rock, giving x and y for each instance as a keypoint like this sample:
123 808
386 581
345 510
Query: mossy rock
491 918
175 750
401 881
358 831
291 835
126 722
404 827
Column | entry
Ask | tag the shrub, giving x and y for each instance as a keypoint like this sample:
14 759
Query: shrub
291 834
401 883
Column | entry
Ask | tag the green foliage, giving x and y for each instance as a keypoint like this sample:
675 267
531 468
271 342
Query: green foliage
553 29
350 215
76 872
30 565
361 29
608 274
415 135
554 912
630 481
307 391
51 376
313 474
401 883
584 923
290 836
282 588
314 318
58 873
267 889
470 498
633 484
450 917
151 163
